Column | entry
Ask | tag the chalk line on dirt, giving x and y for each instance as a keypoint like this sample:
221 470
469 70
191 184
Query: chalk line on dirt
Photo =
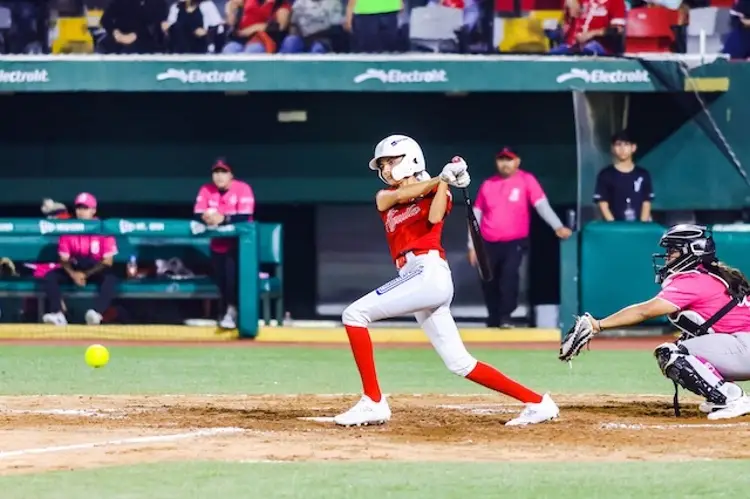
322 419
481 409
125 441
678 426
86 413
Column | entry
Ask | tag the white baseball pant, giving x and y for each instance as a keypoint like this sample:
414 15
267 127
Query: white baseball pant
424 288
728 353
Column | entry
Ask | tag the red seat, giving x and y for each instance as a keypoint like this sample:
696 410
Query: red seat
508 6
649 29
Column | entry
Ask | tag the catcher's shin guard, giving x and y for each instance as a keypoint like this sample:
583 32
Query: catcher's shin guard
692 374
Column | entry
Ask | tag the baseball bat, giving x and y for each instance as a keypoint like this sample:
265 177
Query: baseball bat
483 262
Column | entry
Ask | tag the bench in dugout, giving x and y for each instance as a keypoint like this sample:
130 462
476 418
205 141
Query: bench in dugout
35 248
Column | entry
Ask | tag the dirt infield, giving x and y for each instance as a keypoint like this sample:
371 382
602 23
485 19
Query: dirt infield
42 433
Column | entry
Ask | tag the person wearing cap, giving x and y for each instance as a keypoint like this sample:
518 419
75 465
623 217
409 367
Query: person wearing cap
623 190
222 201
502 209
84 258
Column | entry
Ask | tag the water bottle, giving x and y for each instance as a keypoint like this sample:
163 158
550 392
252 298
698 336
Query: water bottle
132 268
629 211
571 219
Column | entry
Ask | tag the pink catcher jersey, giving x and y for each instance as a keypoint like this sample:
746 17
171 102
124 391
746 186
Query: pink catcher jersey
237 200
705 294
407 227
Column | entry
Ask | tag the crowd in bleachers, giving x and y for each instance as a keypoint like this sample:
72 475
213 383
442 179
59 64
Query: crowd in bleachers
597 27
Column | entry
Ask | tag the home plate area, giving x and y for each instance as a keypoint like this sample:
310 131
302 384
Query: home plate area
41 433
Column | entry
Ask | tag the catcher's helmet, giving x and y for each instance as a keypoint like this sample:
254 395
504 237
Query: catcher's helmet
695 244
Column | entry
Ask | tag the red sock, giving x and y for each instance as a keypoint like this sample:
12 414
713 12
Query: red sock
493 379
359 339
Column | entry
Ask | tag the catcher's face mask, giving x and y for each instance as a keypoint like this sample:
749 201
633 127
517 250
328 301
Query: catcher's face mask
686 246
672 261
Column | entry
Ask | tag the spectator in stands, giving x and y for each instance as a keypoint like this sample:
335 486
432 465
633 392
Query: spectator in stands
134 26
737 44
592 27
314 25
623 189
85 258
28 33
257 26
502 208
373 25
222 201
188 24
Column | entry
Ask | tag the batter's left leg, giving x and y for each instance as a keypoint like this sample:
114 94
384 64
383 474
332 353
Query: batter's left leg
423 287
443 333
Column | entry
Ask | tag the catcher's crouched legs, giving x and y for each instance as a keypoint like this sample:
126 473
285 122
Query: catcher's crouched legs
695 375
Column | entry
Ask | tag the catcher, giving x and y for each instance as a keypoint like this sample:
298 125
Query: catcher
708 301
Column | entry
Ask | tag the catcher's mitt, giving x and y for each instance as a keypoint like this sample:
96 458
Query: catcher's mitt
578 336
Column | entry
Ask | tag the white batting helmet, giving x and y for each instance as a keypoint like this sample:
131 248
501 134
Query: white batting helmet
399 145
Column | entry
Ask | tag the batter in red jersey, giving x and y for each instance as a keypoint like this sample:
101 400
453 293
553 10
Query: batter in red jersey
413 208
592 27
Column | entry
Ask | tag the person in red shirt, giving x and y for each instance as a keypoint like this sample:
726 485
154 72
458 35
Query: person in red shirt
413 208
259 28
592 27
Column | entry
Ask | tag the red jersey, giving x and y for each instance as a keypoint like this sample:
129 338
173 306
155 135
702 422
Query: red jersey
256 12
407 226
595 15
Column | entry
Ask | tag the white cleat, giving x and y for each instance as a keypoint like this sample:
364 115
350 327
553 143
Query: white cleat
709 407
58 319
365 412
545 410
229 321
93 318
735 408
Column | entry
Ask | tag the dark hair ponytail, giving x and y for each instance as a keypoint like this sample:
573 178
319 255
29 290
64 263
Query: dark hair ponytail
739 287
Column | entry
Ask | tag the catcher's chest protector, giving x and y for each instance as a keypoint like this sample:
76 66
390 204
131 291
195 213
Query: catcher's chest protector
689 322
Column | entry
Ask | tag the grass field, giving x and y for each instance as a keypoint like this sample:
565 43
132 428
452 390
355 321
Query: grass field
223 421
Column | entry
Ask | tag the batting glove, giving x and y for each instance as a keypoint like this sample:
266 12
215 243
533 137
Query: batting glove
456 166
462 180
447 176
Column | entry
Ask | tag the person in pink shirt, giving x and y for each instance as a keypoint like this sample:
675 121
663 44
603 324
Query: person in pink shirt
709 301
84 258
503 208
222 201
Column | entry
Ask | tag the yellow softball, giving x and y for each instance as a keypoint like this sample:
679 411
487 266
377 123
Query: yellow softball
97 356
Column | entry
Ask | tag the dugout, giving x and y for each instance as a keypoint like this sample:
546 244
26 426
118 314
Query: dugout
141 135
